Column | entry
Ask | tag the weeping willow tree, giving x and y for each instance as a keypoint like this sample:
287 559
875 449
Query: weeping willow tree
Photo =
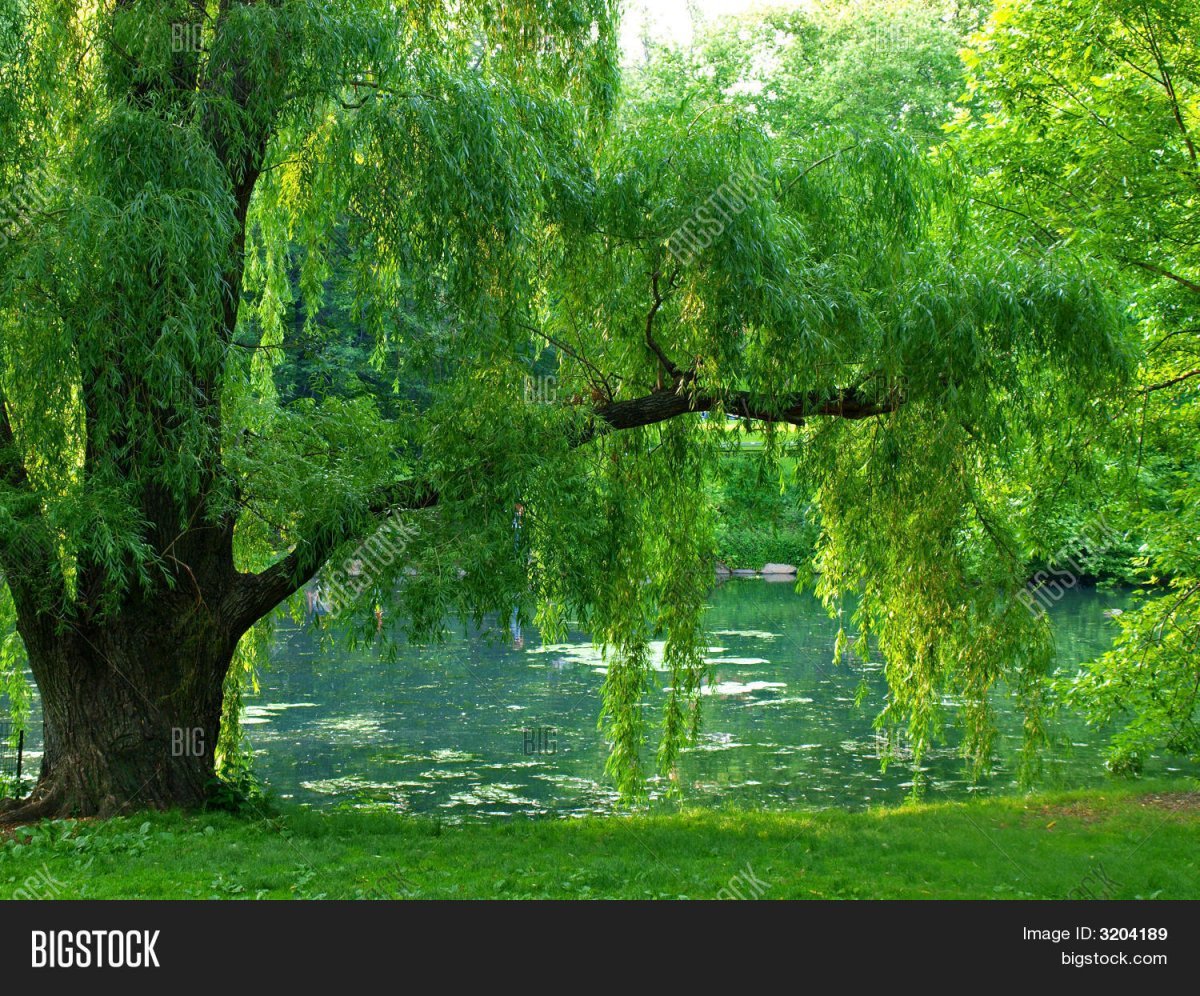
158 503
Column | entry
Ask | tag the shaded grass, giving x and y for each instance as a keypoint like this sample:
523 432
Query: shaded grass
1123 842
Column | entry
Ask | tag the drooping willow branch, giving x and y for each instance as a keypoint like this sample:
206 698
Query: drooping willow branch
257 594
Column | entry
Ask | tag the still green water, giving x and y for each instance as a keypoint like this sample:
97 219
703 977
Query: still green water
473 729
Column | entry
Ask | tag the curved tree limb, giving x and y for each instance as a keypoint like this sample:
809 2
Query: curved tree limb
257 594
848 403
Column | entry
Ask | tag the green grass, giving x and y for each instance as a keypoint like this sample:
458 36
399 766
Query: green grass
1121 843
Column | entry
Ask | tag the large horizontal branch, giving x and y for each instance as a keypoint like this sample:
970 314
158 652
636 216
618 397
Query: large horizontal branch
258 594
660 406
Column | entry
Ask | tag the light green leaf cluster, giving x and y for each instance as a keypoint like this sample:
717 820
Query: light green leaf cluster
1080 126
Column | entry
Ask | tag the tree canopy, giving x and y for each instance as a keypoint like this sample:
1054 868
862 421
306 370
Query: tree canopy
474 176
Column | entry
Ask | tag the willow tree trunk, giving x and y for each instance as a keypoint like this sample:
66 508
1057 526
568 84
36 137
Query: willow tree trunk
131 709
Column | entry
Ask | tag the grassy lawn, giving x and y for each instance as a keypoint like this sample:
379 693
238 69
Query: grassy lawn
1123 843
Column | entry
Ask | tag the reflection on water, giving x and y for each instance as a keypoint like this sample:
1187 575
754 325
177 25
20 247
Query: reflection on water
474 729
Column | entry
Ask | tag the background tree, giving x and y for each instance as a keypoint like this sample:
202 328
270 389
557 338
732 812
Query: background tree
873 66
1082 126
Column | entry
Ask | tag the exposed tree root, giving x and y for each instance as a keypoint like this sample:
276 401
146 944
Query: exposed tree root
44 803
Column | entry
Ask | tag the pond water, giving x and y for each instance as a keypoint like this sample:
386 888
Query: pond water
474 729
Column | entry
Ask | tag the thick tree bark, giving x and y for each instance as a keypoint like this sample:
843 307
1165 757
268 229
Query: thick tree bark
131 709
132 692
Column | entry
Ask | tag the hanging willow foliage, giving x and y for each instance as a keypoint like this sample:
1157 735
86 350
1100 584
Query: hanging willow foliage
468 174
